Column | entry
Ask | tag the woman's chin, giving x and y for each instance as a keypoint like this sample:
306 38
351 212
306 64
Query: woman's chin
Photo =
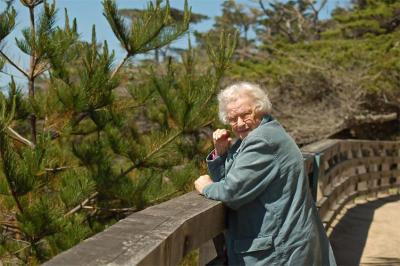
243 134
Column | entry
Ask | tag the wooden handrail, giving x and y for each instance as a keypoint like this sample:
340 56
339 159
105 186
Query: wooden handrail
338 170
159 235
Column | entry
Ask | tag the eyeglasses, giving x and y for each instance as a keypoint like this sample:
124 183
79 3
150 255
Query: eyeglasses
246 117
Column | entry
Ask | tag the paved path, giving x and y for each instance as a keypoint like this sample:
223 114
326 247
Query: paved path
369 233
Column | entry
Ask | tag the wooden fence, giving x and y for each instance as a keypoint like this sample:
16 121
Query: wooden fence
338 170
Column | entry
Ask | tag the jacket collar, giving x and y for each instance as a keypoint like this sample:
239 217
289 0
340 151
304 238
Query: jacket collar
266 118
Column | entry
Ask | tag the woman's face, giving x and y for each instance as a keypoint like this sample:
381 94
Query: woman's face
241 116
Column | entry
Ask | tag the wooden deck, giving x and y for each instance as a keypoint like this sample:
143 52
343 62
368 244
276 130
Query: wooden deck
368 233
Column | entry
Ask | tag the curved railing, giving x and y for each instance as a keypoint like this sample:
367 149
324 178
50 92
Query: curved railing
338 170
346 169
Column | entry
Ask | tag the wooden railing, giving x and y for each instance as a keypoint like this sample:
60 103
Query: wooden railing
338 170
346 169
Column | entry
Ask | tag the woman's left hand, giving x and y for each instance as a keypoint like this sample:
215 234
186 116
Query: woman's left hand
202 182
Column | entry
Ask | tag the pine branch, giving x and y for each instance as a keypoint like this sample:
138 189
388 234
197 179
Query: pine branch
119 66
11 229
117 210
315 10
21 241
14 64
264 9
152 37
33 60
168 141
9 225
19 138
11 75
81 205
132 209
40 70
7 153
117 23
148 156
15 197
58 169
164 197
22 249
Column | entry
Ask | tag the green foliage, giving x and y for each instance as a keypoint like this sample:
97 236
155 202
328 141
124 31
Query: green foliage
86 163
18 179
7 110
222 53
290 21
180 174
75 186
186 92
38 41
92 92
88 158
236 20
40 219
160 29
373 17
74 231
7 22
21 105
63 47
96 78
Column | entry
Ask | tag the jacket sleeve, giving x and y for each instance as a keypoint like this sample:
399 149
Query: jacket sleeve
254 169
216 167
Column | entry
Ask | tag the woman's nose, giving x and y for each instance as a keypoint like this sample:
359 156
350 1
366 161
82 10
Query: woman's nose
240 122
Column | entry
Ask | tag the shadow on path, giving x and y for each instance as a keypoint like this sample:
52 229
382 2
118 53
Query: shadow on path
350 234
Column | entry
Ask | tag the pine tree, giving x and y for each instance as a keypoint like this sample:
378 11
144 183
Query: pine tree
235 18
292 21
369 18
74 157
176 15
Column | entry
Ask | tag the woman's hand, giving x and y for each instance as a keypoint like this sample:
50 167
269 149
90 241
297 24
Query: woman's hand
202 182
222 141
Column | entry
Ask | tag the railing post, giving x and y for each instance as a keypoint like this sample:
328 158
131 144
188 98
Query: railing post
315 176
311 172
206 253
219 248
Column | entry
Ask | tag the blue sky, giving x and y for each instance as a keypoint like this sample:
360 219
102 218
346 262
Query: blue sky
89 12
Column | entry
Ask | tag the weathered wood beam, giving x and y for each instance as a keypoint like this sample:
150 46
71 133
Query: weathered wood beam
159 235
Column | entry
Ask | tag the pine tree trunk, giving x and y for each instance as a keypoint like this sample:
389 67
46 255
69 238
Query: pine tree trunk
31 75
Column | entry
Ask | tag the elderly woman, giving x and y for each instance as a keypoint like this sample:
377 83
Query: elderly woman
272 219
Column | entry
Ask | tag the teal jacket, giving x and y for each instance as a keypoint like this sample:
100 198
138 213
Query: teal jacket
272 219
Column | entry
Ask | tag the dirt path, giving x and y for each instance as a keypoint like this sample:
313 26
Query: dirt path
369 233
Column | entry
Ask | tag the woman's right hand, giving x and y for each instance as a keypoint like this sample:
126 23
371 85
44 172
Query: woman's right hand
222 141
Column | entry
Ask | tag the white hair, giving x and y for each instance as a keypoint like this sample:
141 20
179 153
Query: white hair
261 103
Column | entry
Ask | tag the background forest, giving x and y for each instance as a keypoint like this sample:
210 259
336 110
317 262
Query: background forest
90 140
